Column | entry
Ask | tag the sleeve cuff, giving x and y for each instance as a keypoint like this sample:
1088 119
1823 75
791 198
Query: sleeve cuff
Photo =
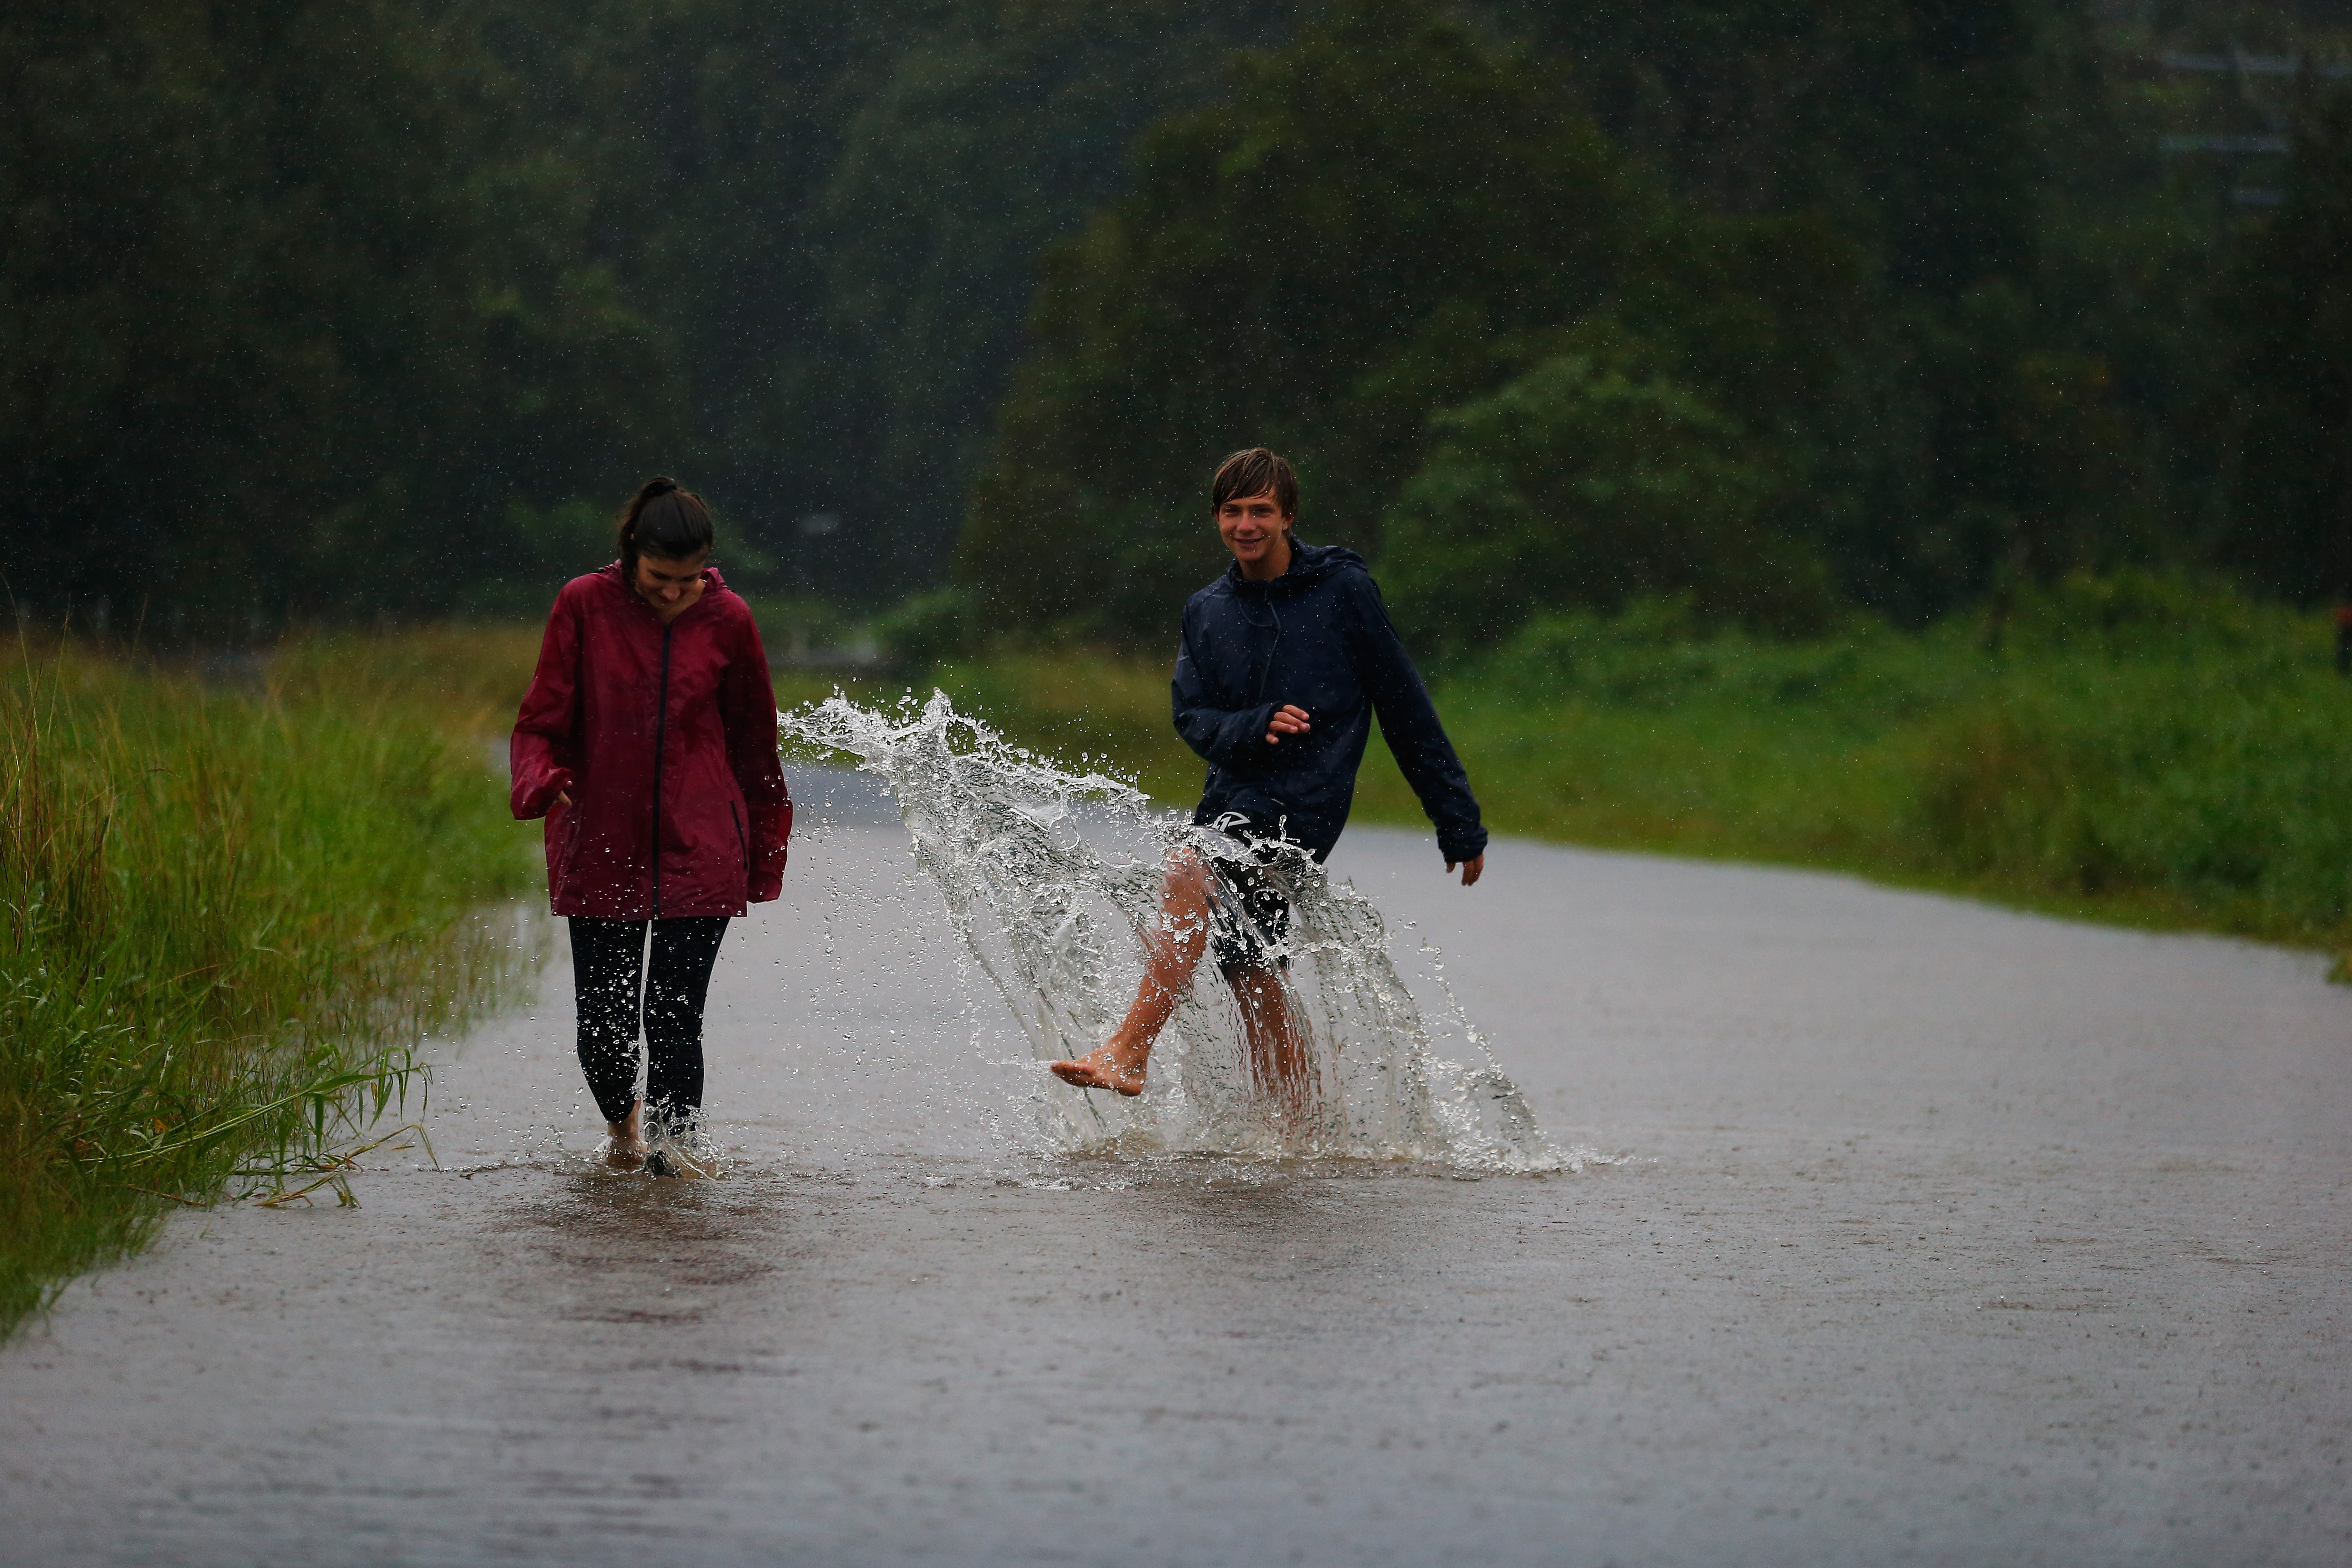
1460 849
532 804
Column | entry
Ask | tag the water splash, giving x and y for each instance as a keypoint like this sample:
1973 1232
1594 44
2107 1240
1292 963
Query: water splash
1051 877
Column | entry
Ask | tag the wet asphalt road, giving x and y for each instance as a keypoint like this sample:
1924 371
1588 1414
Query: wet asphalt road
1944 1235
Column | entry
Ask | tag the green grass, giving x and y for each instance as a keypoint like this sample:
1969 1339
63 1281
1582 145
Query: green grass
2193 775
2140 750
224 920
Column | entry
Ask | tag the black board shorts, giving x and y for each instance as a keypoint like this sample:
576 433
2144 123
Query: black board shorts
1249 914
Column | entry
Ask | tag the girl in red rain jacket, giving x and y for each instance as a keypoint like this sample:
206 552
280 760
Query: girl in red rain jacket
649 742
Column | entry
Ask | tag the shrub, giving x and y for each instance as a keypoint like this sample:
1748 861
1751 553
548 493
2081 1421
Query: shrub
1588 481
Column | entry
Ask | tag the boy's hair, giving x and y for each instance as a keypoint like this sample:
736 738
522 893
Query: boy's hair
1253 473
664 521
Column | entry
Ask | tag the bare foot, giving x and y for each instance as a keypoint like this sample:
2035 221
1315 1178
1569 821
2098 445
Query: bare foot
1101 1068
673 1160
625 1142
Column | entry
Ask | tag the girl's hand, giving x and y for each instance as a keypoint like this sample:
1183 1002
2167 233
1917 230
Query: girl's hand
1288 720
563 799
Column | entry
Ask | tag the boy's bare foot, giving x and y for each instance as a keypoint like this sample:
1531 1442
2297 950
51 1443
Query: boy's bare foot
1101 1068
625 1142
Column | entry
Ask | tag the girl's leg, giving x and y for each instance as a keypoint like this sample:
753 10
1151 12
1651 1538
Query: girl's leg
684 948
605 959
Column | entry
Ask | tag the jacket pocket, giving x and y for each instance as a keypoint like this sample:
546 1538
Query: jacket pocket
559 863
742 844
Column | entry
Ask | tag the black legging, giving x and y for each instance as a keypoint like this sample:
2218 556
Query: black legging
605 959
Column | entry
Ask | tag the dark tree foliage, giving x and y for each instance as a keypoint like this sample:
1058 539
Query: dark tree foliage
1389 217
295 298
1380 219
1977 343
2292 523
993 132
318 310
1907 122
1596 477
322 310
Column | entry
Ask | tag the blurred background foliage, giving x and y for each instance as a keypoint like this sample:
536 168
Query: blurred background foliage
320 311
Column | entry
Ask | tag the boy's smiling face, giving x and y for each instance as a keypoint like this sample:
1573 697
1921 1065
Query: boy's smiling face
1252 527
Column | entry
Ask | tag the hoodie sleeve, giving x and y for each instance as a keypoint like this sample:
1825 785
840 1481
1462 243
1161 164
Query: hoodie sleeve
1409 720
542 754
747 710
1227 737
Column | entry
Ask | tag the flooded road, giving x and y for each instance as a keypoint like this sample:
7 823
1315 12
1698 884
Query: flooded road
1940 1234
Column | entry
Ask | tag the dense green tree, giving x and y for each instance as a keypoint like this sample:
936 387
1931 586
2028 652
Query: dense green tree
325 309
1589 480
332 308
830 213
1941 136
1909 123
1973 345
711 128
995 132
1354 236
1387 217
296 296
2293 386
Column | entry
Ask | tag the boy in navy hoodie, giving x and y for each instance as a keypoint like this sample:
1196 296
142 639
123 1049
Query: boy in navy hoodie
1285 661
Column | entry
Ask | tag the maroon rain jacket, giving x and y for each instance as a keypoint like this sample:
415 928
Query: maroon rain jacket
665 738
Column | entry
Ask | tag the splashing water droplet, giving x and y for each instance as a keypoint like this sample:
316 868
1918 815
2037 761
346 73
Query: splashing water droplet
1052 879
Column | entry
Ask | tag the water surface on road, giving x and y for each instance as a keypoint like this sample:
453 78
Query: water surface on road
1944 1235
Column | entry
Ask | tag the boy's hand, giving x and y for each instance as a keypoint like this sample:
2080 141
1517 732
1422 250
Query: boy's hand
1471 869
1288 720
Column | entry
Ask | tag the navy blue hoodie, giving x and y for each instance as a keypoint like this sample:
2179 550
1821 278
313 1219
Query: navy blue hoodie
1318 636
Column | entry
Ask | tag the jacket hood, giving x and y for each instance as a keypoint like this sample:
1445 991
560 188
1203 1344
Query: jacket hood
1309 565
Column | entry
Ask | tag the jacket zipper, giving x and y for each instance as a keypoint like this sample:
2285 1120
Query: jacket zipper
741 842
661 733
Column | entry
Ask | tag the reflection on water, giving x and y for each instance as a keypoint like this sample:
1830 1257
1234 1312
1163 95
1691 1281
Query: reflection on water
1051 877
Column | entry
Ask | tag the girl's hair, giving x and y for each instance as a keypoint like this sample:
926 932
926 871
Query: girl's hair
664 521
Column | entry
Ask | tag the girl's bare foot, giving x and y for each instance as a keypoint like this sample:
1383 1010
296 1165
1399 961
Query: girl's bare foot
1104 1068
625 1142
671 1160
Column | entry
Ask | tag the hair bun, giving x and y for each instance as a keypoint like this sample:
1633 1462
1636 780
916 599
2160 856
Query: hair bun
664 518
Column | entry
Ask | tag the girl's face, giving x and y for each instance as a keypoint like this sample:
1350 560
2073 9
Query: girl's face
671 584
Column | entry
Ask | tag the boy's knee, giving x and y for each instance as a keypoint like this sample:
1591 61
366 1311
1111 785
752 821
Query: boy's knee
1187 877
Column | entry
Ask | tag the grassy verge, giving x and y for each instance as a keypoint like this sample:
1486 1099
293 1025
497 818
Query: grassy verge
2137 750
2185 771
224 919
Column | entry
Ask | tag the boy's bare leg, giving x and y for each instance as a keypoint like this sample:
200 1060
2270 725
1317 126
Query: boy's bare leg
1277 1045
1172 951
